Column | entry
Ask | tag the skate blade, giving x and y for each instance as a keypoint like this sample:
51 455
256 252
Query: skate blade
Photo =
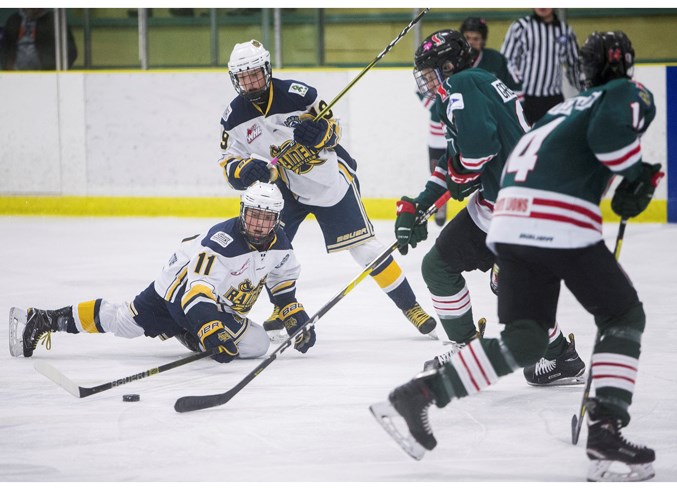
383 413
572 380
433 335
17 325
616 471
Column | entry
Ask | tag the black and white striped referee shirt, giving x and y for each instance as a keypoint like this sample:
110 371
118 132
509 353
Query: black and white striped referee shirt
535 52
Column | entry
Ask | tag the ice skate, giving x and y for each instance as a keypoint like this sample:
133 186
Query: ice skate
27 328
566 369
409 402
445 357
612 457
421 320
274 327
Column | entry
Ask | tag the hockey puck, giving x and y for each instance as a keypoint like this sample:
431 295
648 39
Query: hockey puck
131 398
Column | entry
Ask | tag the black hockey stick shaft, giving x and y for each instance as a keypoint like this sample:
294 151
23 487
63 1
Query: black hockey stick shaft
338 97
577 420
84 391
192 403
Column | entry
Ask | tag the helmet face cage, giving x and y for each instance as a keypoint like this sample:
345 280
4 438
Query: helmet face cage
260 207
606 56
441 54
249 66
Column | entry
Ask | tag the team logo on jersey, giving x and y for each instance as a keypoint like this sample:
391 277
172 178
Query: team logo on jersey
442 93
243 297
297 159
221 238
253 132
298 89
291 121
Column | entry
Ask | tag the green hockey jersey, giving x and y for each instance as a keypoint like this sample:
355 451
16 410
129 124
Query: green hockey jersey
494 62
483 121
557 174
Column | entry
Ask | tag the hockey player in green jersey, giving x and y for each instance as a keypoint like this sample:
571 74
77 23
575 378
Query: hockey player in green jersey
483 121
547 228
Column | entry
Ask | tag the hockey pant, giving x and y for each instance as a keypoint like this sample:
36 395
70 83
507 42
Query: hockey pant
150 315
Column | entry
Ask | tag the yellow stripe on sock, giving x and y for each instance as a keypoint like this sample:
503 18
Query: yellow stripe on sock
86 316
388 276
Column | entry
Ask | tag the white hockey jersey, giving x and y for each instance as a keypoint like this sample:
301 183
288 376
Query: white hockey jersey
315 178
220 271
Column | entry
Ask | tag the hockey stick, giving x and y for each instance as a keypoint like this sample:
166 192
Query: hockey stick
69 385
577 421
191 403
380 56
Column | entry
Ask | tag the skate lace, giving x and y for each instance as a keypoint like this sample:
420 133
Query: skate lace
446 356
632 445
45 339
425 421
544 366
416 315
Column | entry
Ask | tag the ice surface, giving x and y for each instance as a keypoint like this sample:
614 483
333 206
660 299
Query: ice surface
306 417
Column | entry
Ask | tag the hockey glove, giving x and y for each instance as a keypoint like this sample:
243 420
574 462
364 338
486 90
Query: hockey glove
293 317
251 170
316 134
632 197
407 231
212 335
460 181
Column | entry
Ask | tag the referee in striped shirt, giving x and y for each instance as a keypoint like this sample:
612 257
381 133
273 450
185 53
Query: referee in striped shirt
536 47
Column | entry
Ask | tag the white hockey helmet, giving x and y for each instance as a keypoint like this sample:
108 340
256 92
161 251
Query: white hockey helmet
250 58
260 207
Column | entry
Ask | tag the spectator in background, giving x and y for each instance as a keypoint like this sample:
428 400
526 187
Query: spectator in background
475 31
28 41
536 47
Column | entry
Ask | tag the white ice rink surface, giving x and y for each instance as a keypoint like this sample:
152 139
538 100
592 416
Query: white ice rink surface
305 418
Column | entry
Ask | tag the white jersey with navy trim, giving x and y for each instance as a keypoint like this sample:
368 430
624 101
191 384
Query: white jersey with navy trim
315 178
220 268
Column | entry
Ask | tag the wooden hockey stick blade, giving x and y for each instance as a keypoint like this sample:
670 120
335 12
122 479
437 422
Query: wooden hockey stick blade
201 402
69 385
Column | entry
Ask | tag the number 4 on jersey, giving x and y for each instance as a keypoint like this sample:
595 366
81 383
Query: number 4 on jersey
524 157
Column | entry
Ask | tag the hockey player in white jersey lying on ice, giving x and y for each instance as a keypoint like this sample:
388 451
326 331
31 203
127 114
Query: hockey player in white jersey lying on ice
202 295
316 175
547 228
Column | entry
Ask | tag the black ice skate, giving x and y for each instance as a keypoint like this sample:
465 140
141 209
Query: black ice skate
566 369
409 402
421 320
274 327
608 449
445 357
26 328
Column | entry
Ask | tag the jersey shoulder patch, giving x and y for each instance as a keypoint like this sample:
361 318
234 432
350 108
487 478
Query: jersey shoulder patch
221 238
298 89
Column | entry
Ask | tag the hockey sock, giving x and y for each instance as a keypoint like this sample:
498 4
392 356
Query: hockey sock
86 315
472 369
391 279
526 340
615 361
451 298
556 343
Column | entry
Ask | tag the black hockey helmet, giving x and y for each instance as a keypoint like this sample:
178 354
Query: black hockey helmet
606 56
439 56
475 24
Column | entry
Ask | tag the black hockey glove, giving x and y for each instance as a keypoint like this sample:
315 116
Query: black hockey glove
316 134
409 233
293 317
213 335
632 197
251 170
460 181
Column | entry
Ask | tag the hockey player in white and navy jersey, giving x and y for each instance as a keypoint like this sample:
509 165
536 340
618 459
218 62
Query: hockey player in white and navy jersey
203 294
547 229
273 118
